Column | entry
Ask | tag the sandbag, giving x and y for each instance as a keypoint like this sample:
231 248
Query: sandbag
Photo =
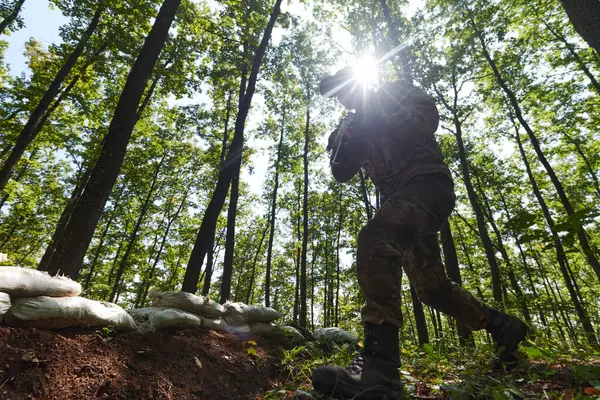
286 334
214 324
240 313
334 336
45 312
188 302
156 318
24 282
4 304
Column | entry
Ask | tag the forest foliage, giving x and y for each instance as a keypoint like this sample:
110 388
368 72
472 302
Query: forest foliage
180 145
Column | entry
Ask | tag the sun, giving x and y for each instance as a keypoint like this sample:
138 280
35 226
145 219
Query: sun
366 70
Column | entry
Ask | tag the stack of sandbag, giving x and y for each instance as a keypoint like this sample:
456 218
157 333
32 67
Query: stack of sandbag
4 304
177 310
334 336
155 318
42 301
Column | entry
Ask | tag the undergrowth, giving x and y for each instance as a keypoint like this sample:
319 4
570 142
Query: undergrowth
548 370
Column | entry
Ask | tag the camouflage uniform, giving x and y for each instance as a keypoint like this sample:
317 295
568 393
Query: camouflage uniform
395 135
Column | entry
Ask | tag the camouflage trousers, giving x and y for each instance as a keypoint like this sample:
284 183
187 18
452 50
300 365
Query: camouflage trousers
403 235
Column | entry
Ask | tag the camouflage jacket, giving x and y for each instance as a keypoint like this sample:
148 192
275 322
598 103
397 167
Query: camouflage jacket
394 131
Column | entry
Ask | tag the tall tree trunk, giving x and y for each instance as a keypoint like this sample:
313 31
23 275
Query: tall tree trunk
62 221
210 263
581 233
571 49
256 258
487 210
465 336
94 261
71 249
234 193
231 165
12 17
31 126
337 260
273 212
302 319
584 15
363 189
298 255
560 251
586 161
420 321
136 229
481 226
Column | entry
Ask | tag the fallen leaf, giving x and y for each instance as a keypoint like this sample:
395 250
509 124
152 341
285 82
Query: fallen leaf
198 362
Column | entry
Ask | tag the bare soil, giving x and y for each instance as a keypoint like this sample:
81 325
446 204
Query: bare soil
190 364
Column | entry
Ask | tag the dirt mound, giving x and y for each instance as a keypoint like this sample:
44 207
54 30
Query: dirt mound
192 364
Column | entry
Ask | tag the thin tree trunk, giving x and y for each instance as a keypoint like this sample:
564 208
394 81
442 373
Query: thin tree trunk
581 233
146 283
91 272
32 126
231 165
138 224
571 49
12 17
337 261
465 336
587 162
420 321
302 319
256 257
210 263
482 228
487 211
560 252
71 249
363 189
273 211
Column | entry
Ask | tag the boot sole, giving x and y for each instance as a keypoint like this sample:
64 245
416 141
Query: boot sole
345 390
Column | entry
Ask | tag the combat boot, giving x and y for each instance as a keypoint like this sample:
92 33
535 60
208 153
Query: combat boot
507 332
373 374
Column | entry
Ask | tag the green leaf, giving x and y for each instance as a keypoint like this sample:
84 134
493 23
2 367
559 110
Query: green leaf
428 349
252 351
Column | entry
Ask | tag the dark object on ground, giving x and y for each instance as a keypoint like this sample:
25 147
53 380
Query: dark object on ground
373 374
508 332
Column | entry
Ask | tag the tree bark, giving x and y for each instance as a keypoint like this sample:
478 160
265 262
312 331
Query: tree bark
584 15
32 126
232 163
12 17
71 249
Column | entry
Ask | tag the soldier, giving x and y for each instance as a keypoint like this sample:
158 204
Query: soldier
391 136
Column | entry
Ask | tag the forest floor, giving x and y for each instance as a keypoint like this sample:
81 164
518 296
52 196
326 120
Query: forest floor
200 364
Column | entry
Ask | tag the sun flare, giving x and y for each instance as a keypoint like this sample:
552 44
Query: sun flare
366 70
